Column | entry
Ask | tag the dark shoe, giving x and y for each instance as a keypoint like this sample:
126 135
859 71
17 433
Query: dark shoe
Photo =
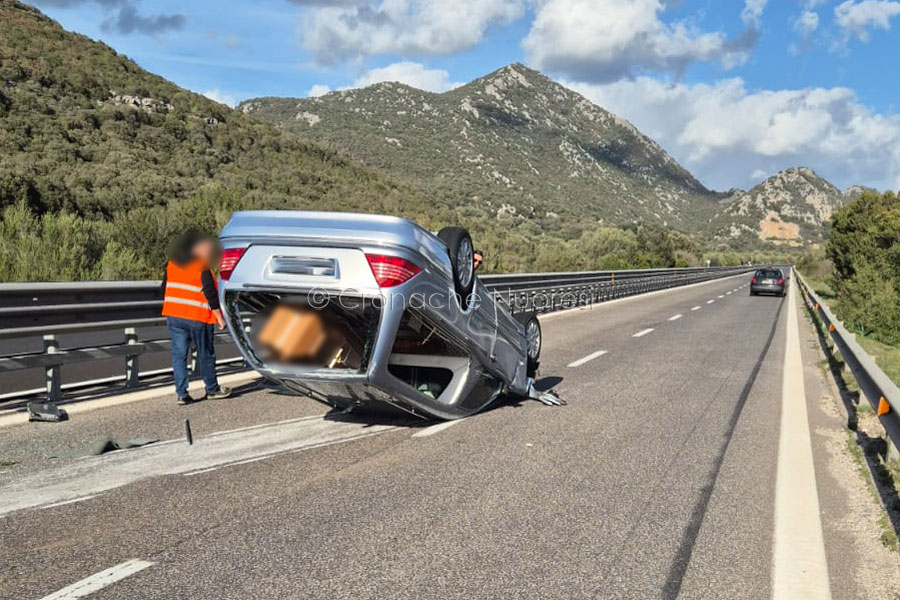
222 392
183 401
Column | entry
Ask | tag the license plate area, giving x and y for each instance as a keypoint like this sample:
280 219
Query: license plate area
304 265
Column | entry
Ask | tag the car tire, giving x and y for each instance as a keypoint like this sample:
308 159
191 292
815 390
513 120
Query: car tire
534 340
459 246
752 293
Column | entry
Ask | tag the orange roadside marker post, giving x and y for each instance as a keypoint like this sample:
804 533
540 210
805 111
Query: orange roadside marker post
884 407
831 328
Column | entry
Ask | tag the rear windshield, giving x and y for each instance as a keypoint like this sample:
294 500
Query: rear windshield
768 274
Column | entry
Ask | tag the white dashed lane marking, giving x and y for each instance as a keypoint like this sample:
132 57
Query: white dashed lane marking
642 333
675 317
98 581
710 301
586 359
721 297
696 308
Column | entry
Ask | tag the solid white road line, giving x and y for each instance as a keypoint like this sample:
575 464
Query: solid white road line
710 301
696 308
586 359
73 501
675 317
642 333
428 431
800 569
100 580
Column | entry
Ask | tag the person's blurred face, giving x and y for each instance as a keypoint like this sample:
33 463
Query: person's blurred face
205 250
478 260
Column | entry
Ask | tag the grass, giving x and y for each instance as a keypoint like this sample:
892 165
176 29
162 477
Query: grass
820 286
887 357
888 536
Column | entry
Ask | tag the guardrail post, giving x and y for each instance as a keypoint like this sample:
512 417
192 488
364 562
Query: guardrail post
132 368
54 372
892 452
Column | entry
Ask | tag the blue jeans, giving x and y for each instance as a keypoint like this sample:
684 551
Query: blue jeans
184 333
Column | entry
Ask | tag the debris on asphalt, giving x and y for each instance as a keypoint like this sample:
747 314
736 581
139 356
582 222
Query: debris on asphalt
102 445
48 412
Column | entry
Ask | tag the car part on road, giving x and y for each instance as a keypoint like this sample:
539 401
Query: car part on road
47 412
548 398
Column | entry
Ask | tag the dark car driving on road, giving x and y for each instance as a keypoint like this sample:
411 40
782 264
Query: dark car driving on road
767 281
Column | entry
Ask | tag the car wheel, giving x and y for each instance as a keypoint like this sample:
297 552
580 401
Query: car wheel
459 246
534 339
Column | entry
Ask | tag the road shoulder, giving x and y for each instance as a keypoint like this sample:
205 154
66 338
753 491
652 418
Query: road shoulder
860 566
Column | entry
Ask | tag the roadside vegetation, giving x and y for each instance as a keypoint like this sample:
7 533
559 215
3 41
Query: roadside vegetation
858 274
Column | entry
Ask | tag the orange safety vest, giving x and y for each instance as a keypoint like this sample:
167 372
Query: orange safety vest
184 293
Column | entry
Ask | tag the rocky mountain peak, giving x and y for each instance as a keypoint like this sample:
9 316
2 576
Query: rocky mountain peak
789 208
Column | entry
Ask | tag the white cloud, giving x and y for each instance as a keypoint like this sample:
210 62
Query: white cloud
807 22
752 13
220 97
603 40
410 73
857 18
337 33
724 132
318 90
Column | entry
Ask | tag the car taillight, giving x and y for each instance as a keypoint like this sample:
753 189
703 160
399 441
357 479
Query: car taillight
753 280
781 281
229 260
390 271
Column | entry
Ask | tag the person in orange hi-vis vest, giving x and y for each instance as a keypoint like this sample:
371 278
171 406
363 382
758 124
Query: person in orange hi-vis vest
191 307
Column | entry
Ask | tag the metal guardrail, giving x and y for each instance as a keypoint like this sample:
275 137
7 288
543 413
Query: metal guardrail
881 392
549 292
49 310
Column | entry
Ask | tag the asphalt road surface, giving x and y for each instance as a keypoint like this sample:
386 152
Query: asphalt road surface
657 480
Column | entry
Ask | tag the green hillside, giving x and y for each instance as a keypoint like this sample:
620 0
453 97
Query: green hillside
87 133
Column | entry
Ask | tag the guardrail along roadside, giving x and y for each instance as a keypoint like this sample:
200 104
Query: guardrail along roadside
99 321
882 394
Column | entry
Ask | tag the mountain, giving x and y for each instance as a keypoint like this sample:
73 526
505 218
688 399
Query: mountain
791 208
513 144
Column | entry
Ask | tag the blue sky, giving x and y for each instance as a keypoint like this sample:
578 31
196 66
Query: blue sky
734 89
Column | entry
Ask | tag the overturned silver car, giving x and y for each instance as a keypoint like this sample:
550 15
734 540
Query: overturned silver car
366 311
